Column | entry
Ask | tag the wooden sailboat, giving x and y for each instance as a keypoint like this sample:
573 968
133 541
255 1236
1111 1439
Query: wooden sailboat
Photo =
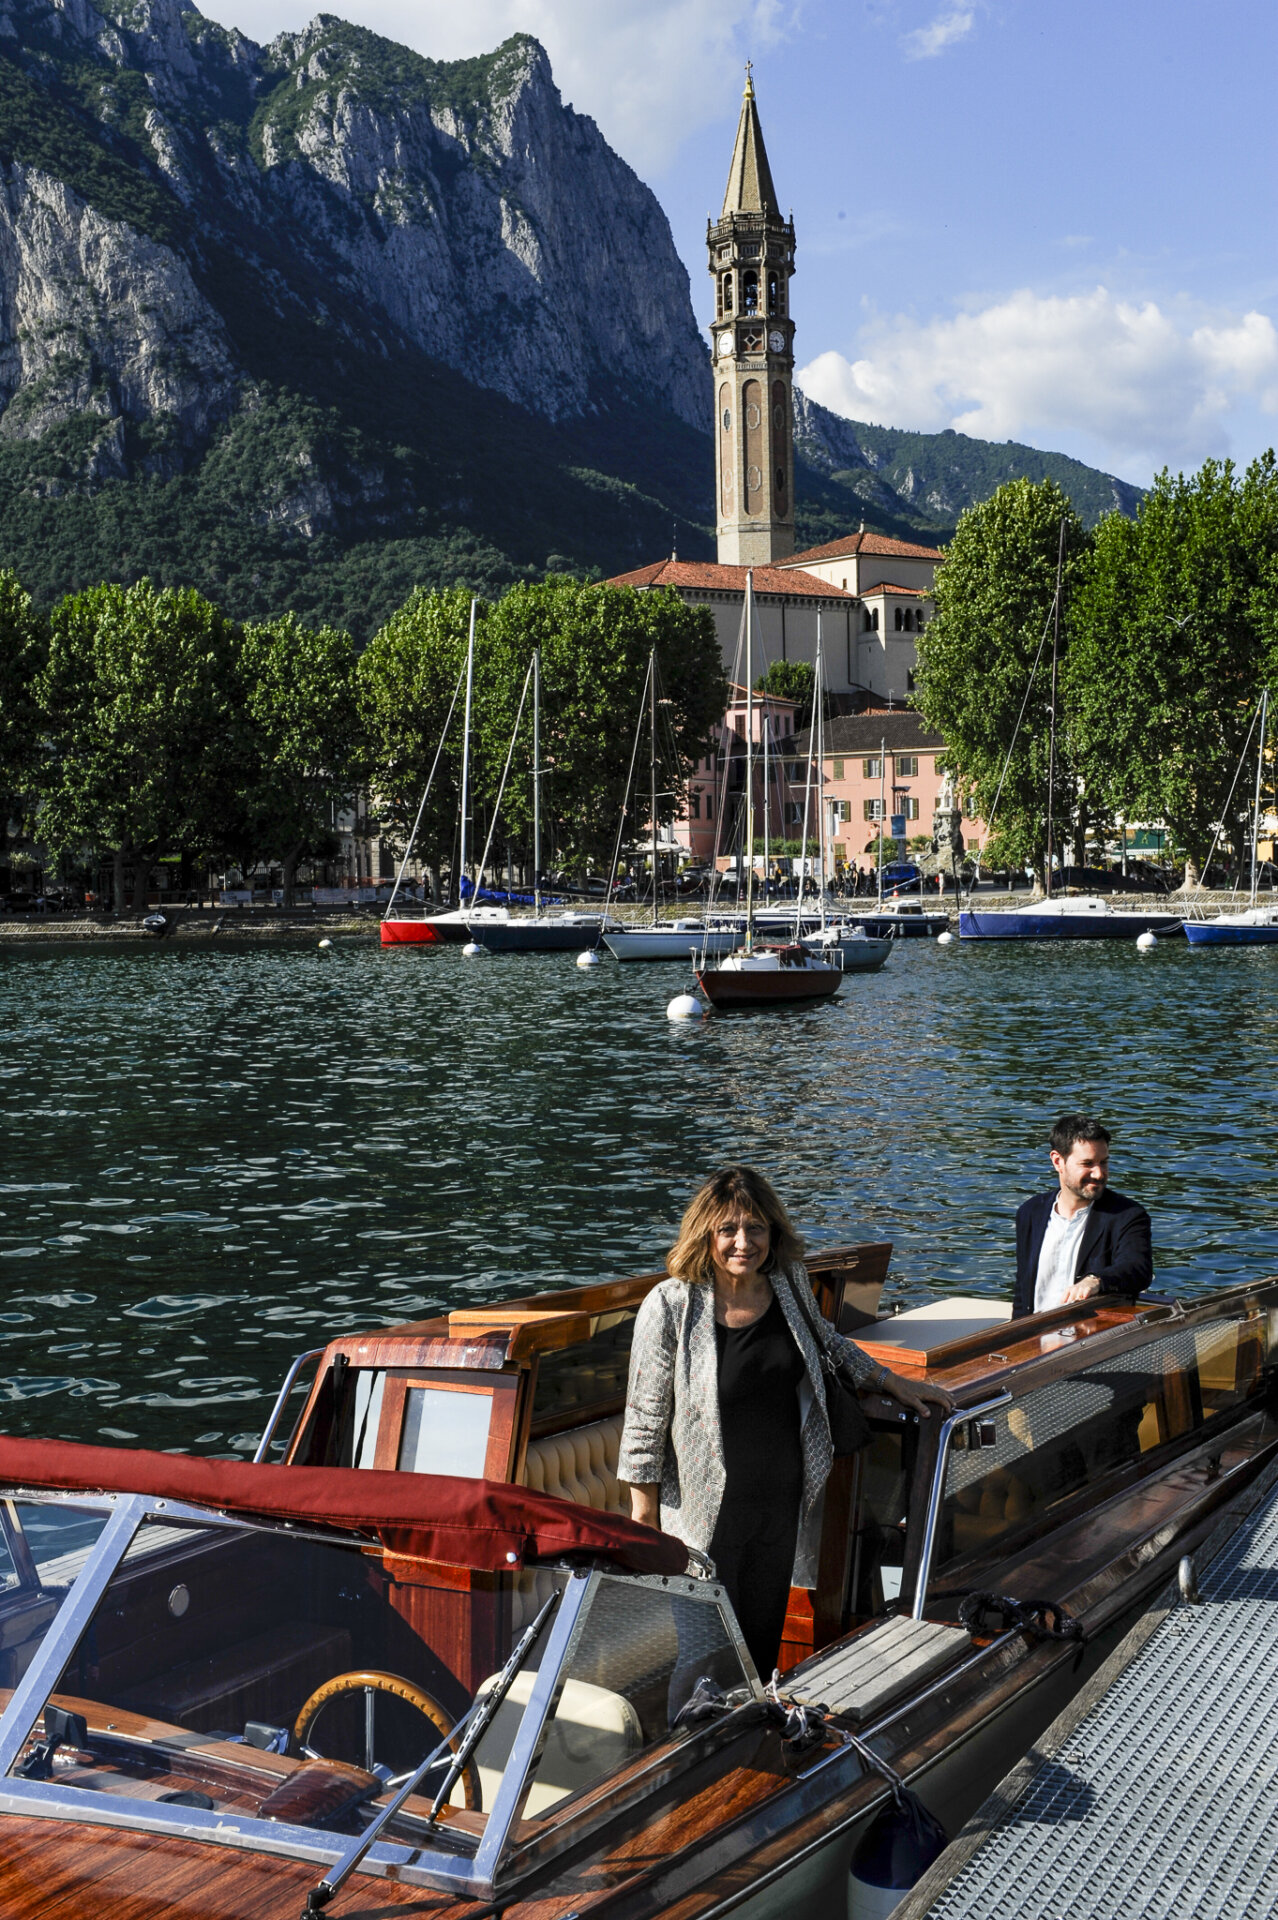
1254 925
776 973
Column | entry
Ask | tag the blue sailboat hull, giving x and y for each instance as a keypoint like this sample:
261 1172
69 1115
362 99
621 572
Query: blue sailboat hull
1064 926
1204 933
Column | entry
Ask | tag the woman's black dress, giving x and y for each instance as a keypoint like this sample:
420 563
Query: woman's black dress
753 1544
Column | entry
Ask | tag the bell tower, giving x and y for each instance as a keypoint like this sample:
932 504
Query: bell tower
752 339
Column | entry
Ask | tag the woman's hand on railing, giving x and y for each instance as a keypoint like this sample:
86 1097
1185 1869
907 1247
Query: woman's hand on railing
919 1396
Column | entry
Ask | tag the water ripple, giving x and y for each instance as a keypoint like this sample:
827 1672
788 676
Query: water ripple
290 1160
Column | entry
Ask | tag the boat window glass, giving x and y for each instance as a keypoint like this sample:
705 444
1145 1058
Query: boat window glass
590 1375
226 1668
445 1431
367 1389
885 1468
42 1550
1053 1442
641 1650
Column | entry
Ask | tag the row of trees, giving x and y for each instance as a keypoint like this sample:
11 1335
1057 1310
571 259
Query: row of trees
139 724
1169 632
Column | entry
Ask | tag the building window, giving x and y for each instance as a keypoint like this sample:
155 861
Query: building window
774 305
845 809
694 806
872 809
909 680
837 769
872 770
907 804
969 807
898 620
907 766
709 808
725 293
750 291
874 620
794 811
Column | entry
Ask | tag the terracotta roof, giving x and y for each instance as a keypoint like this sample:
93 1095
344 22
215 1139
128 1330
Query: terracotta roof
881 586
864 543
710 577
853 733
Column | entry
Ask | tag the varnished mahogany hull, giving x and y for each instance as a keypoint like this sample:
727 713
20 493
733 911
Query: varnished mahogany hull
789 986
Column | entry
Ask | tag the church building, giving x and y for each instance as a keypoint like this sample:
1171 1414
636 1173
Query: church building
868 596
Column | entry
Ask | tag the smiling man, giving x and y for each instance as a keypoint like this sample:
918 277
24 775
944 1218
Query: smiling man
1081 1239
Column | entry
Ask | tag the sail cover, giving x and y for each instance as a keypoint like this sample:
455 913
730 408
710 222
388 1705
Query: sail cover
484 1524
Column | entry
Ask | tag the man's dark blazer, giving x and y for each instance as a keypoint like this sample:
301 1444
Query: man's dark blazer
1115 1246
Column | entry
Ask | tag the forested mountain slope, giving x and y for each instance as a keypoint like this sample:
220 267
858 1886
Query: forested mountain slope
306 324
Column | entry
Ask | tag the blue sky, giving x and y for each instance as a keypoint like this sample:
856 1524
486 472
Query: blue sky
1023 218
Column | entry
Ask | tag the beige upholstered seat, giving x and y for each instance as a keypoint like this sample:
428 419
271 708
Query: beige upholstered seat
594 1732
580 1465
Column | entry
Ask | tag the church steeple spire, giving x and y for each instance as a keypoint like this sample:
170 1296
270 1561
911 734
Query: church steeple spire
750 188
751 259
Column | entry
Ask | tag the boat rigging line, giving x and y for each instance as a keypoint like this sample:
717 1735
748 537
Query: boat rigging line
408 851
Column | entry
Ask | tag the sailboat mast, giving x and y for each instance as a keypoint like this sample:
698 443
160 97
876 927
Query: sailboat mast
652 772
537 781
818 679
749 833
1255 812
1051 732
465 781
882 815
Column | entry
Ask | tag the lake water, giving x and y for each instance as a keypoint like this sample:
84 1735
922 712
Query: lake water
216 1158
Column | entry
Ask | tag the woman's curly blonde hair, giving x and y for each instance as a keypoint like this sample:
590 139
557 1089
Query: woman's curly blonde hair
735 1189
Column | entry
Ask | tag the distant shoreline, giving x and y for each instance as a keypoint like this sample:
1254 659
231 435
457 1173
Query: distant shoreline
231 926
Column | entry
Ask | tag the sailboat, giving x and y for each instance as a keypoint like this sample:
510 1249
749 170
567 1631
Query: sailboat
1070 917
845 941
453 926
773 974
1254 925
537 932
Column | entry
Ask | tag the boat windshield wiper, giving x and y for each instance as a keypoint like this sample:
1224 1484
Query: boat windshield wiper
476 1720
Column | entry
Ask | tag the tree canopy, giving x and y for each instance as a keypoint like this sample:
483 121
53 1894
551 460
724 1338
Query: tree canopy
1175 630
984 677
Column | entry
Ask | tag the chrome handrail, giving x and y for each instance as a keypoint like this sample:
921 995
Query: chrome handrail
955 1419
277 1411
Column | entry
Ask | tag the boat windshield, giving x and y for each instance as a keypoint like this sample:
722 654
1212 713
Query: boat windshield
1055 1441
248 1674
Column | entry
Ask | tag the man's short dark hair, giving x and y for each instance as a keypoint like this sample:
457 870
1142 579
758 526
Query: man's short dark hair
1073 1127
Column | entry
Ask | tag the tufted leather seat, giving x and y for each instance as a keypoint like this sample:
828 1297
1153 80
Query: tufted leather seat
580 1465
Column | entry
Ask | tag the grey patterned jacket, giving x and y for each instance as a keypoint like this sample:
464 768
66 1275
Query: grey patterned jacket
672 1436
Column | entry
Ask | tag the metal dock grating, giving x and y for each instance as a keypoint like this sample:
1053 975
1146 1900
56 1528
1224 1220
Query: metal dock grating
1163 1801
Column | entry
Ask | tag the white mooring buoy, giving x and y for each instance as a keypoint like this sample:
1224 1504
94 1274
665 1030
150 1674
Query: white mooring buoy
324 945
471 948
589 957
1145 942
945 939
685 1006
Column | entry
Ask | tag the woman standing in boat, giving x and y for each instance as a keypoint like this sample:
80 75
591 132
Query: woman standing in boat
727 1441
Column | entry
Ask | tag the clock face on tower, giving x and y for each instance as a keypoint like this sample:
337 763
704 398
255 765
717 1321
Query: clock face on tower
776 342
725 345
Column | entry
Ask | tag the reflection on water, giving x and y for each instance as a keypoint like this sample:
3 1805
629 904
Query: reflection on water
215 1159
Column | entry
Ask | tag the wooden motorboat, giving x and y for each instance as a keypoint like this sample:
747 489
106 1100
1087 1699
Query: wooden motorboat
220 1677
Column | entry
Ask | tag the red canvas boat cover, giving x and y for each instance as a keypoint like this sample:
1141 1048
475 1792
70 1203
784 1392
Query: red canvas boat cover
431 1516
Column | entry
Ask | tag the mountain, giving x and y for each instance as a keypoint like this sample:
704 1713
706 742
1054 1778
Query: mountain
937 475
306 324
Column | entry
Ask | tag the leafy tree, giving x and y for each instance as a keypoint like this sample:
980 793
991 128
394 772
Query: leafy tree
406 680
24 639
139 695
595 642
304 736
790 680
1176 630
994 596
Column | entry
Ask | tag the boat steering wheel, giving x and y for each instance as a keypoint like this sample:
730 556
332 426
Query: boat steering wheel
370 1682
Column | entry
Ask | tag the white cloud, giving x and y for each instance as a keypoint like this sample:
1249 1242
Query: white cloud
649 71
1142 385
945 31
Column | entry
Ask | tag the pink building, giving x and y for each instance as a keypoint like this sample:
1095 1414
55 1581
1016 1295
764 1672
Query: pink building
878 764
717 783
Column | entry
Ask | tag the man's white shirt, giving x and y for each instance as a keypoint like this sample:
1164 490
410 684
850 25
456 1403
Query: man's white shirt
1058 1257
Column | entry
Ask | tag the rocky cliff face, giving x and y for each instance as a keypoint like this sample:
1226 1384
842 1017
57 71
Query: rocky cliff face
460 210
